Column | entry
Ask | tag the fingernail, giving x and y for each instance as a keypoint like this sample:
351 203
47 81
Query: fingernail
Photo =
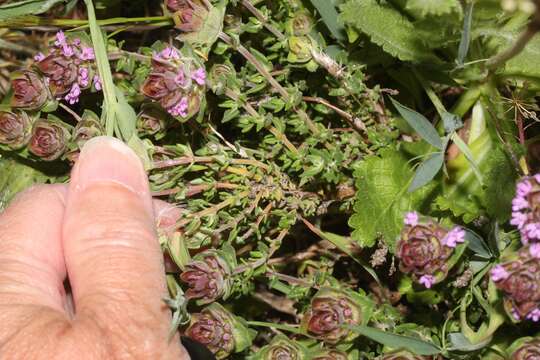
106 159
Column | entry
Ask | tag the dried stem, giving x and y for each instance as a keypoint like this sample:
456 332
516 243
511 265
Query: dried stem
355 122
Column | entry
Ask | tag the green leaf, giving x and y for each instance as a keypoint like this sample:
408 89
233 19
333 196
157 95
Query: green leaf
329 16
415 345
468 155
427 171
465 34
27 7
387 28
420 124
432 7
209 32
476 244
382 198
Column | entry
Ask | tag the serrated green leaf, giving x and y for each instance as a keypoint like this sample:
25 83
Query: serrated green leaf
387 28
329 16
427 170
382 198
27 7
420 124
394 341
432 7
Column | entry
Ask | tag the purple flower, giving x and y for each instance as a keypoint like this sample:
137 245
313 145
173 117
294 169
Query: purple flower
180 109
411 218
83 78
534 315
39 56
60 39
526 208
180 78
519 203
427 280
73 96
534 249
199 76
97 82
87 53
523 188
498 273
454 236
518 219
68 51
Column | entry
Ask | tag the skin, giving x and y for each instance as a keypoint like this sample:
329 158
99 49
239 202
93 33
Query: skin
98 233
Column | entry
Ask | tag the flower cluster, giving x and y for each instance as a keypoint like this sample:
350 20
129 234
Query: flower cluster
406 355
281 348
15 129
519 279
176 83
331 355
188 15
208 277
526 209
220 331
330 310
49 139
527 350
425 248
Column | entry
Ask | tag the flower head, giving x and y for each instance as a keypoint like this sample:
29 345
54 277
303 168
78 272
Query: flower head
151 121
49 139
331 355
199 76
281 348
29 90
528 350
526 209
519 280
219 330
425 248
406 355
330 310
61 72
73 96
87 128
207 277
15 129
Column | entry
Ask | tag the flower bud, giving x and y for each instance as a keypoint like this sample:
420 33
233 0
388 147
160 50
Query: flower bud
221 76
87 128
208 277
526 209
29 90
525 349
331 355
519 280
219 330
281 348
330 310
49 139
425 249
175 5
405 355
151 122
301 24
188 15
15 129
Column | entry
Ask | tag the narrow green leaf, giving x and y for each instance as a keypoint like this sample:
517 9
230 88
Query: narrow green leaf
466 34
427 171
476 244
420 124
27 7
330 16
464 148
417 346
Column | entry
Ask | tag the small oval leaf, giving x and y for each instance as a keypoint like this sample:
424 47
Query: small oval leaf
427 171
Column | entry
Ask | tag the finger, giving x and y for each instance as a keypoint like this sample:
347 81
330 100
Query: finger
32 267
112 254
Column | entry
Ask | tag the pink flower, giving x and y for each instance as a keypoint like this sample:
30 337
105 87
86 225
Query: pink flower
60 39
39 56
518 219
454 236
534 315
67 51
97 82
87 53
411 218
523 188
180 78
73 96
83 77
427 280
499 273
532 231
199 76
534 249
180 109
519 203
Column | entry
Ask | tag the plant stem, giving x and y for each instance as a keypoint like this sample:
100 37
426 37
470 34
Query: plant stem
248 5
356 123
71 112
518 46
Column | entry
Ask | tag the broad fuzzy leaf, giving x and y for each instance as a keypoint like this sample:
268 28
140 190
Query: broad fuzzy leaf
382 198
387 28
432 7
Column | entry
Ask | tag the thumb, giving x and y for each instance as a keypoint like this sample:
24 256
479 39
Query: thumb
113 258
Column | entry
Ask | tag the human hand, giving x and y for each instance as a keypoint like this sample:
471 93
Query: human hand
100 233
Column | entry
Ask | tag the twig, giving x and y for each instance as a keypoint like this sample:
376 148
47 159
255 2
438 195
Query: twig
71 112
532 29
355 122
248 5
161 164
196 189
